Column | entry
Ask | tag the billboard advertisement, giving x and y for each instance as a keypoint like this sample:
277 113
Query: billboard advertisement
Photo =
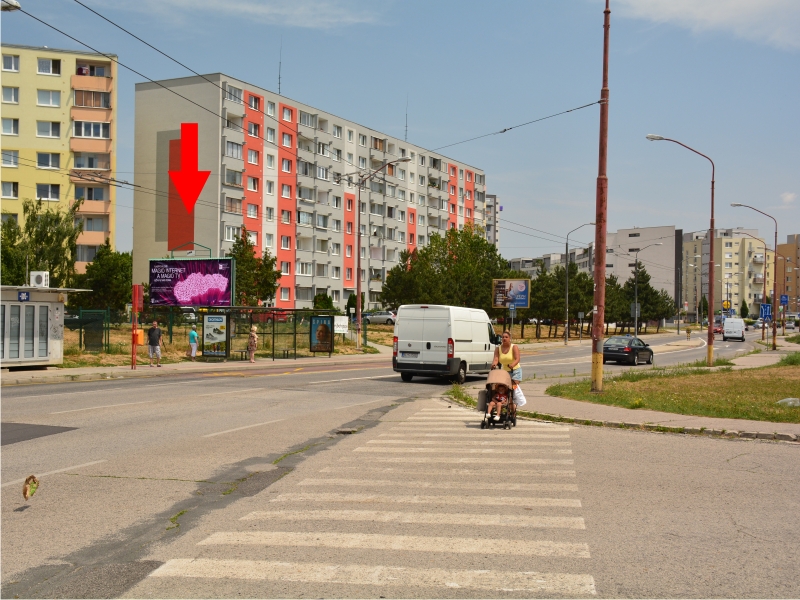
192 282
321 334
215 335
507 293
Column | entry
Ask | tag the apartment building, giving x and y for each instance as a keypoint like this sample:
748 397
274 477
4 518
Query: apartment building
59 136
281 170
788 263
493 210
658 250
742 269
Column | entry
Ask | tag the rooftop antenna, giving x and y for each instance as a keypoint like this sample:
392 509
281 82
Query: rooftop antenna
406 136
280 61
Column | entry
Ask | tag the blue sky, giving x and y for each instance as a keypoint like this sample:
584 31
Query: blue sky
719 75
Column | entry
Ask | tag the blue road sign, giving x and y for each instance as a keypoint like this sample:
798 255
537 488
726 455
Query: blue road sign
23 296
785 299
766 311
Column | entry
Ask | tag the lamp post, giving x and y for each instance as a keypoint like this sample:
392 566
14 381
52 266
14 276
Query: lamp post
361 180
774 274
698 291
680 296
566 287
636 289
712 234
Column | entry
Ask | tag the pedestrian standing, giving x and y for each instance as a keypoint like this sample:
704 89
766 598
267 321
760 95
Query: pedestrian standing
154 341
193 342
252 344
506 355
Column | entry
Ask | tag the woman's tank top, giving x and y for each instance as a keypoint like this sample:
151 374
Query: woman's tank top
506 359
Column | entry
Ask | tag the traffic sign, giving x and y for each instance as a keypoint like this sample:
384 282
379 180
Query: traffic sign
726 305
23 296
766 311
636 309
785 299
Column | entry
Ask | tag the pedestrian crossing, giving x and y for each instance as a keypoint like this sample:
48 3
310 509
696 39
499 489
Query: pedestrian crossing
426 506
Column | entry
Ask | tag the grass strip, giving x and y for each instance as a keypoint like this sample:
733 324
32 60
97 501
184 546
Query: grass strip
747 394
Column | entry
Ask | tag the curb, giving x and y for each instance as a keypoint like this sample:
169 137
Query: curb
702 431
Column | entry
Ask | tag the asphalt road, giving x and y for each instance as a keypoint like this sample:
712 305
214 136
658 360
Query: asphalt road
120 460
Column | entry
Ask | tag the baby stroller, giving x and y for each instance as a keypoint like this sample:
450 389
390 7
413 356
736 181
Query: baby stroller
508 412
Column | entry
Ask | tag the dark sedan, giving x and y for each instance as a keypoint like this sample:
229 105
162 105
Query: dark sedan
627 349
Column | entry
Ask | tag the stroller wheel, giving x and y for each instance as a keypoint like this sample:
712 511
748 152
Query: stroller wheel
514 421
483 424
507 425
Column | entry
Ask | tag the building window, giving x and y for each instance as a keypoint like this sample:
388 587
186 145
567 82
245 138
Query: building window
322 221
306 119
287 114
270 135
286 216
48 191
11 63
90 129
90 99
90 160
252 211
252 157
322 173
286 165
271 109
48 66
349 135
286 191
286 268
634 234
268 238
10 189
252 237
269 213
10 95
336 154
349 227
252 184
254 129
233 178
305 268
286 242
337 131
362 162
336 272
86 253
233 150
89 193
348 273
336 249
94 224
362 140
48 98
10 158
421 180
270 187
322 270
337 225
233 205
287 140
48 160
421 160
232 233
255 103
270 161
305 218
285 292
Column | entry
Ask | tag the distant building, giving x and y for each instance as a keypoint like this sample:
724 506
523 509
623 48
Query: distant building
493 220
59 136
788 271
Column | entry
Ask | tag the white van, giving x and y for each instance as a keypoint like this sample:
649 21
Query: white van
451 341
733 328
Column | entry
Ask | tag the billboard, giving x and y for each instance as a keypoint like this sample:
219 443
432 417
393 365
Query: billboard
511 292
215 335
321 334
192 281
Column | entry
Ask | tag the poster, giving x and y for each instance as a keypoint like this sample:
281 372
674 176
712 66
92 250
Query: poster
340 324
321 334
215 335
192 282
510 292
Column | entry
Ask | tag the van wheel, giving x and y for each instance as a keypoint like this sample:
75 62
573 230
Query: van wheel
461 376
406 376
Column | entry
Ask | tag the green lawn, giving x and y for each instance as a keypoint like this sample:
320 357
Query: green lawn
746 394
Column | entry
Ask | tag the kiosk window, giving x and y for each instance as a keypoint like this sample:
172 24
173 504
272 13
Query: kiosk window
13 341
30 322
43 331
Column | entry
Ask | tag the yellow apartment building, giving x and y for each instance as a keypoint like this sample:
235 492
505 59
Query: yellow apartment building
59 125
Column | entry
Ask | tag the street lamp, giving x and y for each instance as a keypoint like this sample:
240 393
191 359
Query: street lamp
636 289
566 287
9 5
774 274
361 180
710 347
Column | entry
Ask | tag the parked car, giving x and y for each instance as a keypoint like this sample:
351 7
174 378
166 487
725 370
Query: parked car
717 327
189 314
790 325
381 316
627 349
278 316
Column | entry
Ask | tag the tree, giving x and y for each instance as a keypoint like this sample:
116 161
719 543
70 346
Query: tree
703 308
12 254
743 310
664 308
648 296
47 241
617 307
256 278
109 276
351 302
323 302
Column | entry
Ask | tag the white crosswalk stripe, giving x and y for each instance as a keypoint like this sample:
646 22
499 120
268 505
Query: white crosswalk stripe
392 514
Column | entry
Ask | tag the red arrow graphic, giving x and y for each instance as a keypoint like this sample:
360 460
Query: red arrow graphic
189 181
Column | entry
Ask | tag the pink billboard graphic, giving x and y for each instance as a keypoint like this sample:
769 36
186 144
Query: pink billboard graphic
191 282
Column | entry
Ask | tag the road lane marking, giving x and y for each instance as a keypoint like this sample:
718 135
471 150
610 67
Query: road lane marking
380 450
518 431
491 468
421 518
420 499
414 439
89 464
61 412
241 428
448 485
348 378
231 391
542 584
360 404
403 543
518 473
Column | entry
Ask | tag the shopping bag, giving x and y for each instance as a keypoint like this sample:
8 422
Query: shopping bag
519 397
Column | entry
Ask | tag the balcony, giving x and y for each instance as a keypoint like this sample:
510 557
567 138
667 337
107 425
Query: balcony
758 259
81 144
95 84
758 279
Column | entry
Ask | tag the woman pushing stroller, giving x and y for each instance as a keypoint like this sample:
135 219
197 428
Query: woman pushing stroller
506 356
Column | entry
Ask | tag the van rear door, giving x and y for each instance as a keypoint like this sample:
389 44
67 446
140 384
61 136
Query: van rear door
409 329
435 335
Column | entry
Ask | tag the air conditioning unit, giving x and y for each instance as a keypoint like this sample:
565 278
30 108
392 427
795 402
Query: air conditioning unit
40 279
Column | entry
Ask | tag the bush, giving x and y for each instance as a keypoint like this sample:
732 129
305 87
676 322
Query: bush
790 360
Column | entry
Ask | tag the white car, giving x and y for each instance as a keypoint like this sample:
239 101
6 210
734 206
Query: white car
790 325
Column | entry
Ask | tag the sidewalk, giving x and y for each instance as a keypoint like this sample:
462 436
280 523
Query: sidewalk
58 375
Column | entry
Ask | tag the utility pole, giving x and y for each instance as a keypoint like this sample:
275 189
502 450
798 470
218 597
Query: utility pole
599 312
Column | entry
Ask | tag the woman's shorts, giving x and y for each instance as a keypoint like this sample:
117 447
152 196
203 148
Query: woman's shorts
516 374
194 349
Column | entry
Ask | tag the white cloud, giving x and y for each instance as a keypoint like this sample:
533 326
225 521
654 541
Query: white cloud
788 197
313 14
775 22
